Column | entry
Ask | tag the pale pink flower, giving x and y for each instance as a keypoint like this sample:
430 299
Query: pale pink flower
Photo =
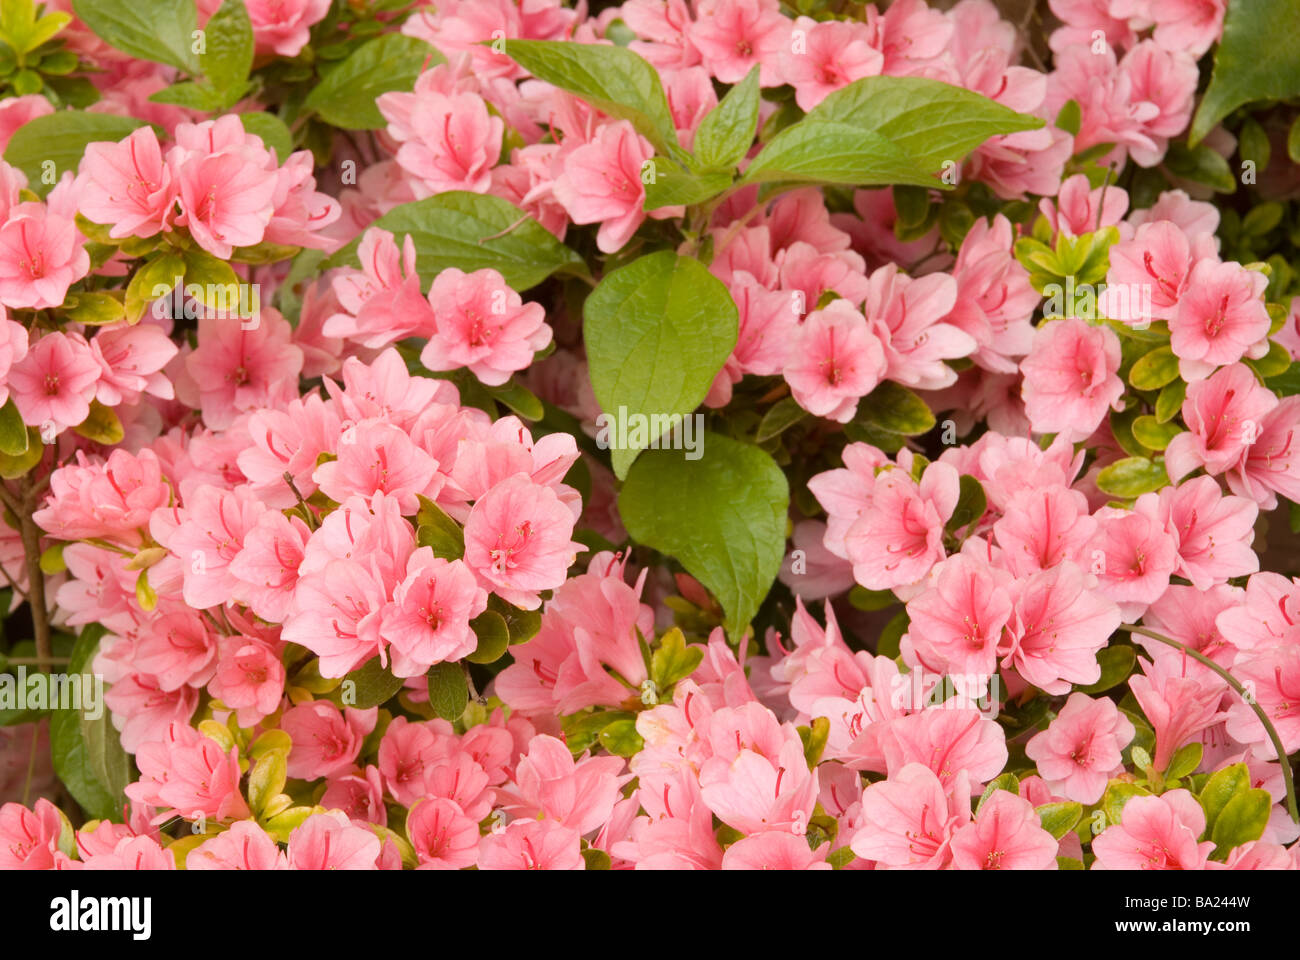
518 540
249 678
131 361
1006 834
238 367
1041 527
443 837
1071 377
381 302
835 361
1220 317
13 347
482 324
55 381
908 315
429 618
1178 705
601 183
899 537
1059 624
325 740
1223 414
42 252
267 564
956 624
1270 466
189 774
1187 26
330 841
531 845
908 820
1080 749
774 850
29 839
245 846
995 300
1149 273
226 200
450 142
733 36
829 55
1155 833
127 184
1214 531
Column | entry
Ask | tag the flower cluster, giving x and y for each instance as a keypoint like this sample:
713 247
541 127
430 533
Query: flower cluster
304 439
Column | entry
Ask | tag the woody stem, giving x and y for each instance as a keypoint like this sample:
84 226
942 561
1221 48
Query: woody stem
1287 777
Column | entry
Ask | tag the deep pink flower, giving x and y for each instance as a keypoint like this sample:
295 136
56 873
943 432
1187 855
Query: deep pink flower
1155 833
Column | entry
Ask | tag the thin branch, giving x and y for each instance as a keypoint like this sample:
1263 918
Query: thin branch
1283 760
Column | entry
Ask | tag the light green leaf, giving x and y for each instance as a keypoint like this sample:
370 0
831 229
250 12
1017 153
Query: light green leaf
722 516
157 30
1132 477
827 152
228 54
448 692
471 231
275 135
727 131
59 140
346 95
657 332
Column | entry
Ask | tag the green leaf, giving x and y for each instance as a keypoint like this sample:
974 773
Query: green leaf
275 135
1117 795
1274 363
621 739
13 432
101 425
192 95
160 272
594 859
1153 434
727 131
493 637
59 140
613 79
891 635
434 528
1242 821
448 692
522 624
373 684
157 30
1201 164
1223 785
87 754
930 121
1005 781
1070 117
782 415
1170 401
860 598
1154 370
971 504
266 780
214 283
835 153
1293 141
471 231
228 54
1132 477
814 741
657 332
722 516
1184 761
674 660
13 467
671 186
1058 819
93 309
893 407
1258 59
346 95
1116 665
519 399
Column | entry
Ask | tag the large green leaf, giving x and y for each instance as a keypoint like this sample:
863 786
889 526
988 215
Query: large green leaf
615 79
60 139
472 231
346 95
87 754
157 30
1258 59
229 50
929 120
657 332
722 516
727 131
828 152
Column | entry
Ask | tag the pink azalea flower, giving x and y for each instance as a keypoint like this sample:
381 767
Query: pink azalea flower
835 361
1133 557
1043 526
1214 531
178 649
325 740
1153 267
143 712
110 501
381 302
1080 749
831 55
443 837
249 678
189 775
908 315
1273 677
1080 208
601 183
1071 377
245 846
1187 26
482 324
266 566
531 845
330 841
733 36
42 252
517 540
131 361
908 821
55 381
128 185
900 536
13 347
579 795
133 853
956 624
1219 318
29 839
1155 833
995 300
1269 466
360 796
1179 706
1059 623
338 613
226 201
1223 414
428 619
956 743
238 368
774 850
380 458
1005 835
283 26
450 142
209 536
